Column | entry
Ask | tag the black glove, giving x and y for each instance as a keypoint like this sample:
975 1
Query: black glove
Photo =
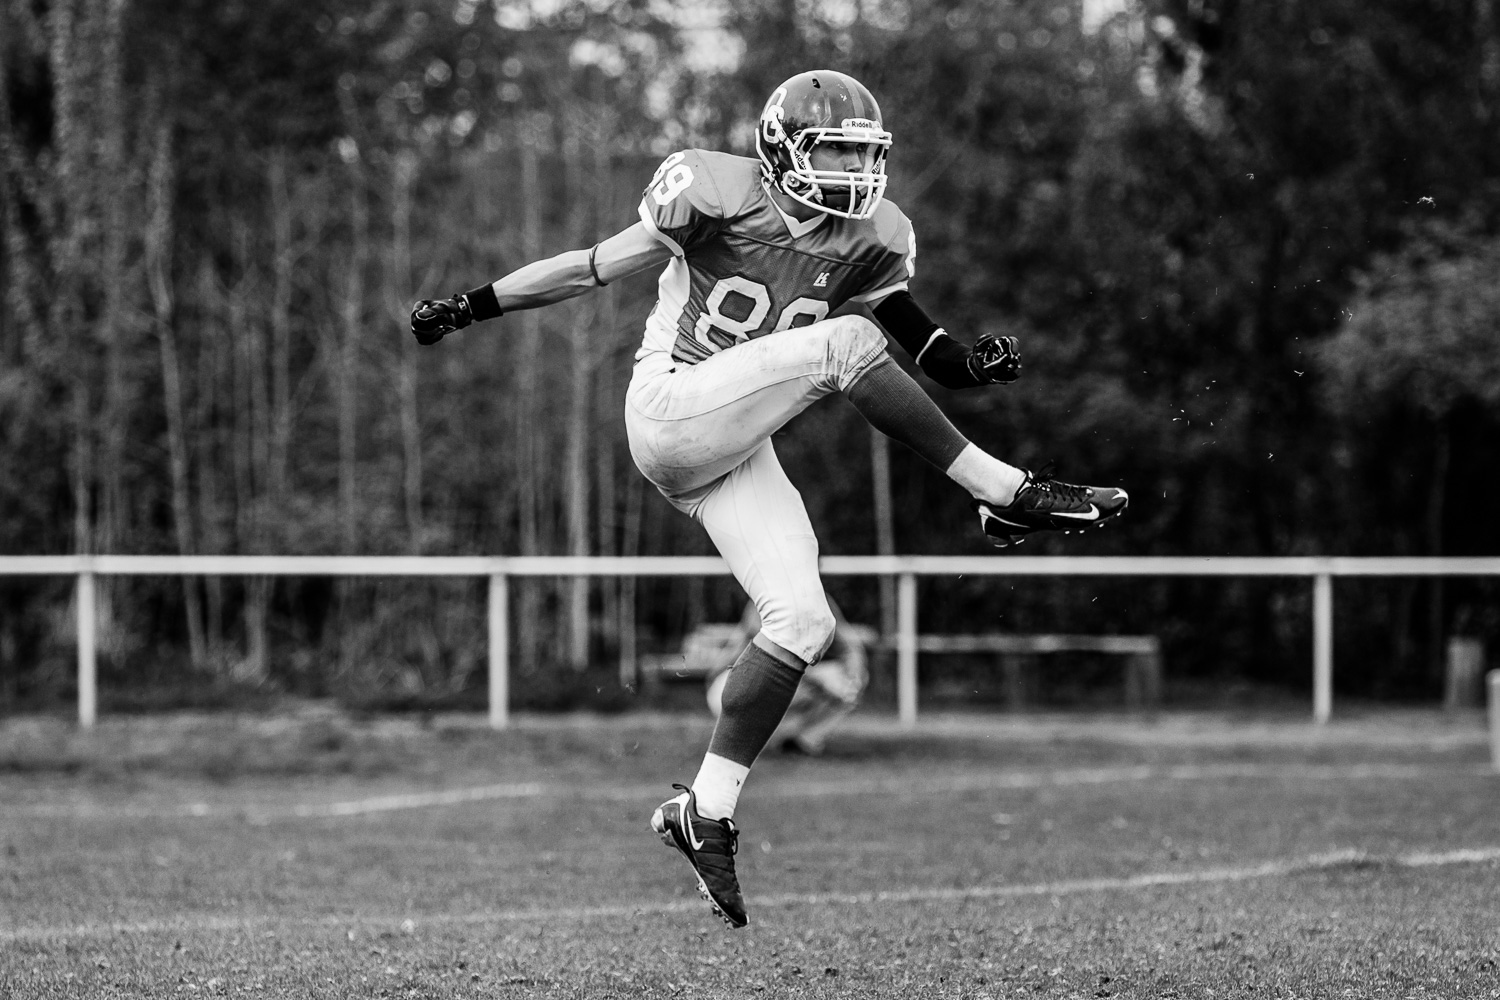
433 319
995 359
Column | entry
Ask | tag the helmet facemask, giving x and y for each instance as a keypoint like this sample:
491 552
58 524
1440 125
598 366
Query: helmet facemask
787 162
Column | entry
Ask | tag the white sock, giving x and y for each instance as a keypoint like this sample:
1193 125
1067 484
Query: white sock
718 785
985 476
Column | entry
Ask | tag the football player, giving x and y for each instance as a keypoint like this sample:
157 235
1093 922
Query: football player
758 253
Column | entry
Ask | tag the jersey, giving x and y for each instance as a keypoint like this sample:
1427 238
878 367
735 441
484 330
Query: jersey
742 268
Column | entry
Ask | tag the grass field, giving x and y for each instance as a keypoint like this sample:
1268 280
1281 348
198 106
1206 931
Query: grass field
314 855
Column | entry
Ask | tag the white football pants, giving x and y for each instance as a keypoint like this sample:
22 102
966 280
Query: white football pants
702 435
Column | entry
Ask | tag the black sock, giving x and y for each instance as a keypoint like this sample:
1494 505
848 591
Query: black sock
756 696
897 407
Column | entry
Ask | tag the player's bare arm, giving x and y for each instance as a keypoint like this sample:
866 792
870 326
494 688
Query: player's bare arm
541 283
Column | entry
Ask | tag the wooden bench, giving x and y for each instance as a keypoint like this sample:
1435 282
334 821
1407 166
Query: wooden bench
1143 670
712 646
708 647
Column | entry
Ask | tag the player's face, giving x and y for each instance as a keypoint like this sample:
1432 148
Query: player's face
841 157
849 157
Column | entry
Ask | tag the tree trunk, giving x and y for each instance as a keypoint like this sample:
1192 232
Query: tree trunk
256 666
528 632
159 240
252 434
630 545
21 187
345 373
283 260
605 420
581 345
82 467
345 377
110 178
69 203
1437 490
885 526
208 436
406 358
239 385
606 524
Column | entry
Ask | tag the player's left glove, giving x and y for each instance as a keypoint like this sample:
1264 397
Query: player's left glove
995 359
434 319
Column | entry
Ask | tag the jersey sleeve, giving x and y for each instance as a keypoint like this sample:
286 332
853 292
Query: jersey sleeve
681 206
897 264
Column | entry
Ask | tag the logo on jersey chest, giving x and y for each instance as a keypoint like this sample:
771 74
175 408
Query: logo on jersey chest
822 280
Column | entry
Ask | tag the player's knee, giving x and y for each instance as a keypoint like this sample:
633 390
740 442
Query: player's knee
859 335
820 628
854 345
804 632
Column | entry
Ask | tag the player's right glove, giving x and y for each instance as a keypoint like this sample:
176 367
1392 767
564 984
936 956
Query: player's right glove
434 319
995 359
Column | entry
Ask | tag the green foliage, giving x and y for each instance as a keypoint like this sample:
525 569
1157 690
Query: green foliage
1178 210
1422 327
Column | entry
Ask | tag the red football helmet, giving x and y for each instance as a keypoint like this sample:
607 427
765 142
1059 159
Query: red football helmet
823 107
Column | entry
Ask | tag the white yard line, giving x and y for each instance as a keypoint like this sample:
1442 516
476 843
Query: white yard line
826 788
1066 887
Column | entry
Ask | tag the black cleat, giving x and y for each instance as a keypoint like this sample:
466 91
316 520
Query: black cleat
709 846
1047 504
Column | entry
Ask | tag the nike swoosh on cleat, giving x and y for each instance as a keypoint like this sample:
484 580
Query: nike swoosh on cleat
990 515
687 824
1092 515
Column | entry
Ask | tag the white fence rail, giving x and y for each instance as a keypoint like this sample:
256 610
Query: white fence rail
499 569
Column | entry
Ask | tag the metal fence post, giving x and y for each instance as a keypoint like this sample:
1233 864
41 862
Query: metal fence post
906 649
499 635
1322 647
1492 695
87 666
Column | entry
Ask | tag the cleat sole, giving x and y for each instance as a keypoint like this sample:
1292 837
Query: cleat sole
718 910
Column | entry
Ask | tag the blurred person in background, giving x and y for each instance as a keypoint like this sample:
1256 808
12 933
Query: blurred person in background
829 690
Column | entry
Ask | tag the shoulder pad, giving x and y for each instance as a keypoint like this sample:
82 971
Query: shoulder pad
715 185
694 192
683 185
891 225
735 179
